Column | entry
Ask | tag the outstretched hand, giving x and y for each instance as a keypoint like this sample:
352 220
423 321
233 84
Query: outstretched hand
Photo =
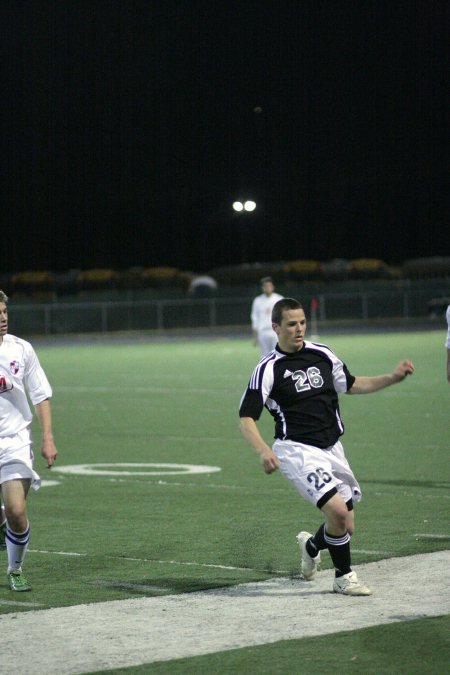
403 369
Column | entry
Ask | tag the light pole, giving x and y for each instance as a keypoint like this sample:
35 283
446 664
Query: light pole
244 207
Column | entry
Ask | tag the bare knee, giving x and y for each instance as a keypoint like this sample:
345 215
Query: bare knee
339 520
14 495
16 517
336 522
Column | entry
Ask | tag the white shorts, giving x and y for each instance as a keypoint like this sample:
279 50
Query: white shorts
314 472
267 341
16 458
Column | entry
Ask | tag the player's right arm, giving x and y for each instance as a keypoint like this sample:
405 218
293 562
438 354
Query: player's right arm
251 434
250 409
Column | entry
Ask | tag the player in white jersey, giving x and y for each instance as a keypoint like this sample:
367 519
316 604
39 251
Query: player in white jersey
261 316
447 342
21 376
299 383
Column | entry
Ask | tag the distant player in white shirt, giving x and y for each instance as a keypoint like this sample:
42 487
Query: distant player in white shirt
261 316
21 376
447 342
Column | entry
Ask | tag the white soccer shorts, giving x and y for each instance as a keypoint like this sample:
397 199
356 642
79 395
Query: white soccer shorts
267 340
16 459
314 472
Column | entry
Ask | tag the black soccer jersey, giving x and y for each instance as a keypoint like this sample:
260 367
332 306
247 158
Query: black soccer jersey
300 390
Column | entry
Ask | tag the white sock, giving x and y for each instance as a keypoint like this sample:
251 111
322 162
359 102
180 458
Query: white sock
16 546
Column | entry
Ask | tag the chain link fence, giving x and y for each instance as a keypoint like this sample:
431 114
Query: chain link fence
134 315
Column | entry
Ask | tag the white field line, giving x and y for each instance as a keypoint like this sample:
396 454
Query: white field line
252 490
187 389
368 552
280 489
125 633
161 562
414 495
170 483
215 486
193 563
18 603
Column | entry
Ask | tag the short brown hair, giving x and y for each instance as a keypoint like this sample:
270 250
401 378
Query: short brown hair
266 280
283 304
3 297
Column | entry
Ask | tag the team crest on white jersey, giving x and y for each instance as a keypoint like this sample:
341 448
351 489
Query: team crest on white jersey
14 366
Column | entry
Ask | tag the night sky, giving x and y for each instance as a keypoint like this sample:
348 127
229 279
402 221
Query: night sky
129 128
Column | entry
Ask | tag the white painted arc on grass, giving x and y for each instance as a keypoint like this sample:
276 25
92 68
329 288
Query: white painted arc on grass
152 469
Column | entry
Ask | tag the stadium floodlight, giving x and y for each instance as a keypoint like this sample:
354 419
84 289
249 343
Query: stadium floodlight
248 205
242 208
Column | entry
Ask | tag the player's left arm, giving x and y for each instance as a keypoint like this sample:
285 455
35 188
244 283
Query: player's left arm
370 384
48 448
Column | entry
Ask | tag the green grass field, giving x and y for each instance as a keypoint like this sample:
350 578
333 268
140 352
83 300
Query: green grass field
109 537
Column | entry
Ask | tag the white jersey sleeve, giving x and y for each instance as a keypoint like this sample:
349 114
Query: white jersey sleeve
21 374
342 379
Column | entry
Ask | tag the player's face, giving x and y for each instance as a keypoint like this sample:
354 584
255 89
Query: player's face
3 320
268 287
291 330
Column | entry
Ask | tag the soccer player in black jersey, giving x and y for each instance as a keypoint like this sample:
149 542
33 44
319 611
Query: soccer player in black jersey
299 383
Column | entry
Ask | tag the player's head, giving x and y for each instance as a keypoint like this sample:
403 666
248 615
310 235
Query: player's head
267 285
3 315
281 306
289 323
